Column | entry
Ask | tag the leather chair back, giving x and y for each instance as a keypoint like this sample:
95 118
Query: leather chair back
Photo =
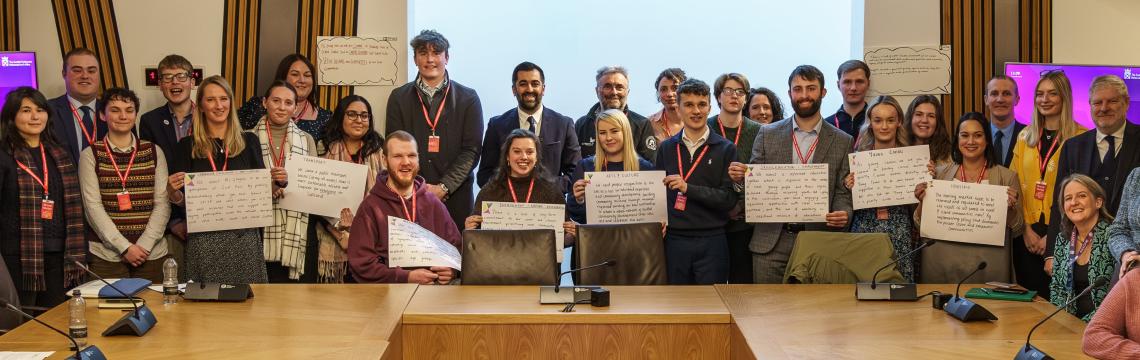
509 257
639 250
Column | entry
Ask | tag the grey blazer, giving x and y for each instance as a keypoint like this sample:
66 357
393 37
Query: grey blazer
773 145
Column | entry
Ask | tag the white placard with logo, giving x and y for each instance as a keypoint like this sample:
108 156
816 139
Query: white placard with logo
227 200
783 193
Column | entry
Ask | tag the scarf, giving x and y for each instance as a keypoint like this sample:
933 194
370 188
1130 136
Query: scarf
284 241
31 228
332 260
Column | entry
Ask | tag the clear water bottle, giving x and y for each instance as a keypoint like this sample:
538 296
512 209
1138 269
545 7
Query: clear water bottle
170 281
78 325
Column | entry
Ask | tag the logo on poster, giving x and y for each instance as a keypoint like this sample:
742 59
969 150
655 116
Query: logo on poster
1128 74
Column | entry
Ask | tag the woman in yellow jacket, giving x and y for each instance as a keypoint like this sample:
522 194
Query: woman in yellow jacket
1035 159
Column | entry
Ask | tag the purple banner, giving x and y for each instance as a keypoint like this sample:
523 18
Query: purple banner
1080 76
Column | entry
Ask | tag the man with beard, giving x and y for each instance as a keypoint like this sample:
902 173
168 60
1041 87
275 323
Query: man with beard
854 81
559 147
402 193
77 126
730 91
613 91
1000 97
802 138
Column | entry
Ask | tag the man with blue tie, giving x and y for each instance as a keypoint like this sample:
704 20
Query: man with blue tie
78 125
1001 97
560 149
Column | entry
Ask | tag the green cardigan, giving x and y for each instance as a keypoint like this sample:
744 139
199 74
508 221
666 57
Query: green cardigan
1100 265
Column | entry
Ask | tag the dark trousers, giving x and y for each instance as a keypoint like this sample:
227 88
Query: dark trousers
699 260
739 257
1029 268
461 202
55 293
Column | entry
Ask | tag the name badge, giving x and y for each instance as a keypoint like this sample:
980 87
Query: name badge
47 209
124 200
1039 190
679 205
433 144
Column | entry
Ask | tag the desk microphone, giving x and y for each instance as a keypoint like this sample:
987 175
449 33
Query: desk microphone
558 282
963 309
904 291
1030 352
137 322
578 294
88 353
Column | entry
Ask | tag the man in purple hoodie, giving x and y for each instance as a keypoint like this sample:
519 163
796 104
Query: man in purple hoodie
399 192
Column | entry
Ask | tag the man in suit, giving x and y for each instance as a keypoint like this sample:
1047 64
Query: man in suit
446 119
613 91
560 151
1000 97
854 81
800 139
78 125
1107 153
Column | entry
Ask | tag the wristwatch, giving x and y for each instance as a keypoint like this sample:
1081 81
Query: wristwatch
444 187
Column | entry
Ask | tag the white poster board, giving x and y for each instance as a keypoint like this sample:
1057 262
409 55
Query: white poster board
908 70
522 216
623 197
965 212
227 200
357 60
782 193
410 245
323 186
888 177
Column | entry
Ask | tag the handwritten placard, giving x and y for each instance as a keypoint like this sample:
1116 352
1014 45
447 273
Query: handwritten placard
623 197
355 60
909 70
323 186
227 200
965 212
780 193
887 177
410 245
521 216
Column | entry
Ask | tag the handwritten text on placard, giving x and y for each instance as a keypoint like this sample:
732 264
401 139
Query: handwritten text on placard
623 197
887 177
227 200
778 193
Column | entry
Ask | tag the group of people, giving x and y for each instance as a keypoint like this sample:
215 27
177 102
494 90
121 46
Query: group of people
84 177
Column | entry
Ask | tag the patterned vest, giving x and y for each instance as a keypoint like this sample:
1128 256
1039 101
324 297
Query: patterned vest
140 184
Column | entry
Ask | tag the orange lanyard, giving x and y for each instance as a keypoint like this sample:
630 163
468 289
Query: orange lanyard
279 161
981 173
665 123
697 161
796 144
225 165
409 215
740 129
122 175
44 182
432 123
528 191
88 135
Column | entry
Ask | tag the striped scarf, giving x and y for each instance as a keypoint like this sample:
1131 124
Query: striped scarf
332 259
285 239
140 183
31 228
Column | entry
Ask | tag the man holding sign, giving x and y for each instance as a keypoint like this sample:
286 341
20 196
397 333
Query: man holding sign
399 192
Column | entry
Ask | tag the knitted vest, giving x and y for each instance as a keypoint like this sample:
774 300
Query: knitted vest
140 184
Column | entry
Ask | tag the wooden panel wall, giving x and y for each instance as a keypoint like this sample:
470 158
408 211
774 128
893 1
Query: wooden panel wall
239 47
325 18
968 27
10 40
91 24
1036 30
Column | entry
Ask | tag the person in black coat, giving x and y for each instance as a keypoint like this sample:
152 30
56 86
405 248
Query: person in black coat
613 92
79 125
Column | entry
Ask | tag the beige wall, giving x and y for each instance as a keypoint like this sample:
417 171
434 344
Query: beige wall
385 18
901 22
40 36
1095 32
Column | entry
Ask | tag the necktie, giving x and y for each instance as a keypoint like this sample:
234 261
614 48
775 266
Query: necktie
530 120
1110 155
1000 145
88 122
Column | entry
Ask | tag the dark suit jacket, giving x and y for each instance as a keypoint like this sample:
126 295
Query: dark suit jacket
157 126
64 129
1079 156
1012 141
559 148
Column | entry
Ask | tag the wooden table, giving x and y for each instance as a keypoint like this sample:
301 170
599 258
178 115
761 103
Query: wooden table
499 322
825 321
281 321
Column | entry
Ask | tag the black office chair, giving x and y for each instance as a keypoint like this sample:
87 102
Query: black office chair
8 320
639 250
509 257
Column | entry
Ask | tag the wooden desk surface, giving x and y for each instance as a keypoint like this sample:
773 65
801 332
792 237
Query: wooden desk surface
825 321
290 321
519 305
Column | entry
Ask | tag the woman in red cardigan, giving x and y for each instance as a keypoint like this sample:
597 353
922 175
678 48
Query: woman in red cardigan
1114 332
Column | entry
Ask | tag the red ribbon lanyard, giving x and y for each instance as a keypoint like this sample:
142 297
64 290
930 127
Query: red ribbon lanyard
697 161
279 161
1045 161
410 216
44 182
122 175
665 123
796 144
528 191
981 173
225 165
738 131
432 123
89 136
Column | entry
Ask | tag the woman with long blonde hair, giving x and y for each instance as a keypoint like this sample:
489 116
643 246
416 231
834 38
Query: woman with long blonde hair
618 153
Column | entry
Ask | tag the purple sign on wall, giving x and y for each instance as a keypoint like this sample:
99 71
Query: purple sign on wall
16 69
1080 77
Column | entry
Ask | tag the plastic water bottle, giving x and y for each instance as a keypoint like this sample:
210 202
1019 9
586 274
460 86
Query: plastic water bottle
170 281
78 324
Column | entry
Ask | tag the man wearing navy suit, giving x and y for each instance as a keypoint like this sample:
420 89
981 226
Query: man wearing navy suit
1001 96
78 124
560 149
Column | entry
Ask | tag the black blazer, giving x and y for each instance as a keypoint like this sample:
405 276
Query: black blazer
157 126
560 149
64 129
1012 142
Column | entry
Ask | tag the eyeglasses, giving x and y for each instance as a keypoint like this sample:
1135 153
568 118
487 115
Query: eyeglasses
181 77
737 92
1052 71
358 116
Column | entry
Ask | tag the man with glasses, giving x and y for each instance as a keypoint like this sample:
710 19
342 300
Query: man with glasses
613 91
559 147
1000 97
854 81
730 91
77 125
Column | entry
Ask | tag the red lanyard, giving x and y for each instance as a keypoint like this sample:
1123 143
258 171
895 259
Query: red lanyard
697 161
796 144
44 181
1045 161
122 175
528 191
981 173
665 123
225 165
739 130
432 123
1084 244
410 216
280 160
89 136
298 115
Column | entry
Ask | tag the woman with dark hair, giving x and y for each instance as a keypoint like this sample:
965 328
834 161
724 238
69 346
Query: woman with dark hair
350 138
924 121
41 213
763 105
975 161
667 121
299 72
1082 246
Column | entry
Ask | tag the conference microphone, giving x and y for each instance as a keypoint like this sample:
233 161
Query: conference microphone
1030 352
578 294
608 262
137 322
894 292
88 353
964 309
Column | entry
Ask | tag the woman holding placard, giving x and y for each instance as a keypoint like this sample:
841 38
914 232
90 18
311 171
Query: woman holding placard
519 179
350 138
973 160
218 144
287 249
613 133
884 130
924 121
299 72
1082 246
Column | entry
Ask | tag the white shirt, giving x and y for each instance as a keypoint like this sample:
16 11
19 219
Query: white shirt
79 112
1102 144
805 139
692 145
523 124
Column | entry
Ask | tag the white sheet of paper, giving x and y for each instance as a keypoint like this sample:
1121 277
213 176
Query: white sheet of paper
909 70
26 355
323 186
623 197
887 177
782 193
965 212
521 216
227 200
358 60
410 245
